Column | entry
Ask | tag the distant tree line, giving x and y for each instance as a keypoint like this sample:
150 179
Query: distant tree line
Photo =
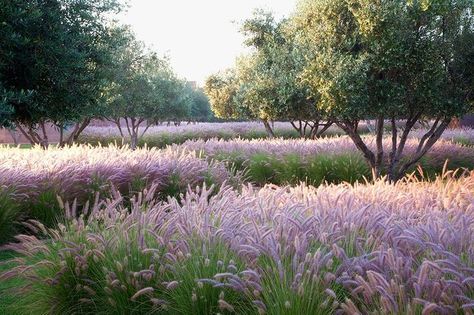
66 62
342 62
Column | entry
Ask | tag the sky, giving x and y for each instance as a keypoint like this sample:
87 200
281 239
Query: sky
200 36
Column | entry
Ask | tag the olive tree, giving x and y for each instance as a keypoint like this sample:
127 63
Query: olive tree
221 88
141 95
274 73
255 97
177 99
53 54
241 93
200 106
265 84
143 89
389 61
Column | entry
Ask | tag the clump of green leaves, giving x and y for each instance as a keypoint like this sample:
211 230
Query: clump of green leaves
9 215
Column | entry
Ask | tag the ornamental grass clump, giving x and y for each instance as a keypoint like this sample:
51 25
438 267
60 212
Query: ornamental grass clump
335 160
463 136
305 149
163 135
78 171
404 248
32 180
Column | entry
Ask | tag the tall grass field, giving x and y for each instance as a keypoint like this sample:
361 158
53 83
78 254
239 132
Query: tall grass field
235 226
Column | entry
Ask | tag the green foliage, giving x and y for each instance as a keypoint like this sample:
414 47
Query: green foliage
265 84
44 208
463 141
221 89
124 260
144 89
206 259
428 170
13 210
348 168
261 170
368 56
173 187
268 79
292 169
282 298
200 106
334 169
9 215
54 56
8 286
136 90
389 60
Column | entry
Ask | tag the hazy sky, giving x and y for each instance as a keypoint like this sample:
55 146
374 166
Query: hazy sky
200 36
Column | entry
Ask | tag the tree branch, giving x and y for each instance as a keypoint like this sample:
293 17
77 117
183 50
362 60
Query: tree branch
326 127
148 125
428 134
350 128
27 136
379 142
128 126
45 141
411 121
429 143
393 152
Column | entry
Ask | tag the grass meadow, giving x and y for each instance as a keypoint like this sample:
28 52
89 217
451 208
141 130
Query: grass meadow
234 224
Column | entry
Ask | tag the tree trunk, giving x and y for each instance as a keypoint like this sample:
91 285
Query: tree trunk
297 128
379 142
133 140
14 134
133 134
376 160
351 129
305 126
326 126
268 128
74 134
434 134
26 134
393 152
30 133
82 127
61 135
133 126
45 140
148 125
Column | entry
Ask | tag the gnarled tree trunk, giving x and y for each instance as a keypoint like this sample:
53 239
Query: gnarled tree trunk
73 136
268 128
35 133
376 159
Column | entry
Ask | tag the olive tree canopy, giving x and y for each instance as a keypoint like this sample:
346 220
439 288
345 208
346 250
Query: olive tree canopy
389 60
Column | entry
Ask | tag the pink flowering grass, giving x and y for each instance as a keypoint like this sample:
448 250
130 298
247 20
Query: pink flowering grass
334 159
33 179
162 135
307 148
76 171
405 248
227 128
464 136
